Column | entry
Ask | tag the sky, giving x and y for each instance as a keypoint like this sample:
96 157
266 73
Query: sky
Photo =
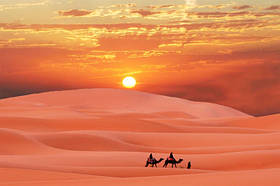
223 51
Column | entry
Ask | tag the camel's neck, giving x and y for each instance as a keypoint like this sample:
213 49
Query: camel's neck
159 160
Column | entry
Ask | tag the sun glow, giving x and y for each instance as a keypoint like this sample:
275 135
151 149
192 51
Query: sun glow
129 82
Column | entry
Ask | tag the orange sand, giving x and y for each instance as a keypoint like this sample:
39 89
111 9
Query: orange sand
103 137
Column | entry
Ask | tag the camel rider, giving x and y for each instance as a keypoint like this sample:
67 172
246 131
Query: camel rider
171 157
151 158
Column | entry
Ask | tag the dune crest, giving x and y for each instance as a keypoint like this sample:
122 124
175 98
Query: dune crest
89 102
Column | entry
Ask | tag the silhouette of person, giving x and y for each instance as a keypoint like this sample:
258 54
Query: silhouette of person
171 157
189 165
150 159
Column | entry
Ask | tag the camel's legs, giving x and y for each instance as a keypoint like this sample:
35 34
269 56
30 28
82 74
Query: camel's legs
156 165
147 164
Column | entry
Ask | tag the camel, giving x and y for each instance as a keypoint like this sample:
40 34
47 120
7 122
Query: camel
173 162
154 162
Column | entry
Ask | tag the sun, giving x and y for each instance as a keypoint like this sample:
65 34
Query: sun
129 82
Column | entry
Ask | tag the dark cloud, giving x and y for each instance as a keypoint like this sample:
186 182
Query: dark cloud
144 13
274 7
242 7
252 86
8 91
253 89
74 13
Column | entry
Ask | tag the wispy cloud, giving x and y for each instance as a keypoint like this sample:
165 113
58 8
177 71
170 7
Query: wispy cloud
74 13
144 13
11 5
242 7
273 7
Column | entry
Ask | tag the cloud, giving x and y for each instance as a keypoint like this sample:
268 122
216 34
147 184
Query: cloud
190 2
242 7
144 13
11 6
165 13
157 7
74 13
249 91
218 14
136 36
273 7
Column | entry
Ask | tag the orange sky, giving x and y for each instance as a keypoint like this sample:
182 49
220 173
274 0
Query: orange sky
224 52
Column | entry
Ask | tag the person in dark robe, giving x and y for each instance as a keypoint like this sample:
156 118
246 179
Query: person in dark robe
189 165
151 158
171 157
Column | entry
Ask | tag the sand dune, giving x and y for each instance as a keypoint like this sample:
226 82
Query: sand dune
103 137
17 142
240 178
267 122
86 103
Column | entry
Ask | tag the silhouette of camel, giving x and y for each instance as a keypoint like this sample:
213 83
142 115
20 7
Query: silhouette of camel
154 162
173 162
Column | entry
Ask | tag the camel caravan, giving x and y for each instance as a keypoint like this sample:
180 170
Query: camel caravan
170 160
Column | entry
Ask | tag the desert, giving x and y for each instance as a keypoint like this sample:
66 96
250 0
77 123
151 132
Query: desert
104 136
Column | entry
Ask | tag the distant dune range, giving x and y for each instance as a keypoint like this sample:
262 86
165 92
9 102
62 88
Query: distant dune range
104 136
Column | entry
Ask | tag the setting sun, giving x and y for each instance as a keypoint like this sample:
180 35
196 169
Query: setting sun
129 82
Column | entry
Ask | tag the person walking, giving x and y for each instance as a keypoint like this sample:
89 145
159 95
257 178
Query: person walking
189 165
